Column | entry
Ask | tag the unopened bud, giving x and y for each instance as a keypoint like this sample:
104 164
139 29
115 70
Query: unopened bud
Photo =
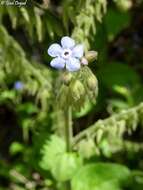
77 90
66 78
92 82
91 56
84 61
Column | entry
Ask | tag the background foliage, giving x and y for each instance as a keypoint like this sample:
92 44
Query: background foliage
107 147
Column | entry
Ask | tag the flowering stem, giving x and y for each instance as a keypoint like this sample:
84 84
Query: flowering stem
68 128
68 135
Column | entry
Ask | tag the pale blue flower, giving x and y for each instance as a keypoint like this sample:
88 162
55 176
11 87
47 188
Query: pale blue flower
18 85
67 55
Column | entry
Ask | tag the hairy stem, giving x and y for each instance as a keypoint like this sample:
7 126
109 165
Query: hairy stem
101 124
68 136
68 128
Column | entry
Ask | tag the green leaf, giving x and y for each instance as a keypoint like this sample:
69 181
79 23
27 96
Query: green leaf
7 95
136 182
13 14
100 176
27 108
65 166
15 148
115 22
117 104
38 24
25 14
55 159
52 147
118 74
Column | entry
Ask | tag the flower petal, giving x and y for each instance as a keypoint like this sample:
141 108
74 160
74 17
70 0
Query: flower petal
54 50
58 63
78 51
18 85
72 64
67 42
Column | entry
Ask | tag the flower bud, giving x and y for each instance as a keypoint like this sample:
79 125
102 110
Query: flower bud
91 56
77 90
84 61
92 82
66 78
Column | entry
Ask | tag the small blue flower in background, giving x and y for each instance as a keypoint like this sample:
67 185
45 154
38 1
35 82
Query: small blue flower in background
66 55
18 85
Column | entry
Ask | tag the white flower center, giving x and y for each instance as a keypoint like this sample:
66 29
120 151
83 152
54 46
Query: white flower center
66 54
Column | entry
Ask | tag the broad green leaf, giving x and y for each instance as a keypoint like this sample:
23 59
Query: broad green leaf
53 147
118 74
65 166
100 176
62 165
115 22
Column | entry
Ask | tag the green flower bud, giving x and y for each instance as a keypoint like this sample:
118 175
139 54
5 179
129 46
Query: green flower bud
92 82
91 56
77 90
66 78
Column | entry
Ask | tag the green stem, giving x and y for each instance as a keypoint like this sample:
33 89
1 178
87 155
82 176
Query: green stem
68 136
101 124
68 128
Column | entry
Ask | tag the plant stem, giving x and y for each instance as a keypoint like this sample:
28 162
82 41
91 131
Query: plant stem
101 124
68 136
68 128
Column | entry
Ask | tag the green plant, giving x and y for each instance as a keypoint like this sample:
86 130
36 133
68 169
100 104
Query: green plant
71 130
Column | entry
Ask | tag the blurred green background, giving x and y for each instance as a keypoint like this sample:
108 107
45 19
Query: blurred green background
28 88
